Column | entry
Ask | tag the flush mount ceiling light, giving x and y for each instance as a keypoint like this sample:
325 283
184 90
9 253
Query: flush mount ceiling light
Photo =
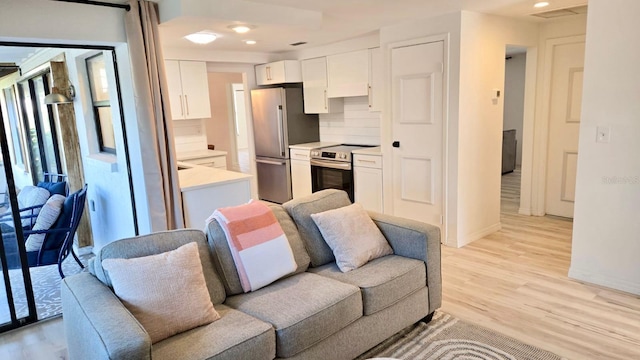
201 37
241 29
250 42
541 4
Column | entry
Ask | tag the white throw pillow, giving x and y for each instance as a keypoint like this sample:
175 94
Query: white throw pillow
166 293
31 196
352 236
46 218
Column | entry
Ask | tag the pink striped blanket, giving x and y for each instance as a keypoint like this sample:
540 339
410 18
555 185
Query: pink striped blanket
260 249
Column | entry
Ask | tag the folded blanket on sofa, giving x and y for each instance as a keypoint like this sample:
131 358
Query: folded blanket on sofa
260 249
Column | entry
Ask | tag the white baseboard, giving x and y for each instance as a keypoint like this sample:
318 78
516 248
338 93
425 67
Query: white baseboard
603 280
478 235
525 211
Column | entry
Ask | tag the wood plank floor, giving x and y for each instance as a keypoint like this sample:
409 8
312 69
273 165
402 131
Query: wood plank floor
514 281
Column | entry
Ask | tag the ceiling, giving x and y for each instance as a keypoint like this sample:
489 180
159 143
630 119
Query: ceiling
318 22
278 23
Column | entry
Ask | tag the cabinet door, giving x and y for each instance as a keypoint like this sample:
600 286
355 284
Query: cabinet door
300 178
172 68
376 79
195 89
368 188
314 78
276 73
348 74
261 74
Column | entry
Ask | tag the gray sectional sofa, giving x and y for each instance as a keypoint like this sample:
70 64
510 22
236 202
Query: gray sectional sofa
316 313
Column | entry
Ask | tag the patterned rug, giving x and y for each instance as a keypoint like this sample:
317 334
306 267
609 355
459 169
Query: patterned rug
46 290
447 338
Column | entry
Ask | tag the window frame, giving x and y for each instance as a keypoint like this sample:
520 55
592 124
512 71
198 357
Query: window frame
96 105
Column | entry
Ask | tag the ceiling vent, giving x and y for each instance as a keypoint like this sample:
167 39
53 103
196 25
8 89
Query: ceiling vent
298 43
562 12
8 69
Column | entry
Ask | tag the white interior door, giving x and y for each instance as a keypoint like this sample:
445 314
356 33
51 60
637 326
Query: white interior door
417 124
564 126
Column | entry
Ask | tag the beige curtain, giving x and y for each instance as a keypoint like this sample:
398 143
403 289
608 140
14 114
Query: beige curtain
154 116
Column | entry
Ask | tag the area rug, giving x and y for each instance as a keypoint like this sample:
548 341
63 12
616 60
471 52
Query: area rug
46 289
448 338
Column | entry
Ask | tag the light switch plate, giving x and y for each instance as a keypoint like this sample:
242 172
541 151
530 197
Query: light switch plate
603 134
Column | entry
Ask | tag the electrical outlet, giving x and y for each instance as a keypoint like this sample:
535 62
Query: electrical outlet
603 134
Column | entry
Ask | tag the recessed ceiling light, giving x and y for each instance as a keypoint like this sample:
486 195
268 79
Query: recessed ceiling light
241 29
541 4
250 42
202 37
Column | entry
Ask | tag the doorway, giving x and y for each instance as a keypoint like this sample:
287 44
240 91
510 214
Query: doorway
63 144
512 134
240 121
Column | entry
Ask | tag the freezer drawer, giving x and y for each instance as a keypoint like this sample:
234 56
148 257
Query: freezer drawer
274 179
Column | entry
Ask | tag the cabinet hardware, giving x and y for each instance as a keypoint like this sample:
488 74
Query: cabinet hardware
367 161
369 95
186 101
325 100
181 106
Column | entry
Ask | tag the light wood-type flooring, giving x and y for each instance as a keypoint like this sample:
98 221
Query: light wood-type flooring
514 281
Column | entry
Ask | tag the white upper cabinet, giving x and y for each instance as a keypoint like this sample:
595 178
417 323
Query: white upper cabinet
188 89
376 80
279 72
348 74
314 77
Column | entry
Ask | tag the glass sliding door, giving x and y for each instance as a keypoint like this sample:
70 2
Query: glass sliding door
17 304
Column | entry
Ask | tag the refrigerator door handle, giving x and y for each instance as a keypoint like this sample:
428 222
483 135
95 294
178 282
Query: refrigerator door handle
270 162
280 126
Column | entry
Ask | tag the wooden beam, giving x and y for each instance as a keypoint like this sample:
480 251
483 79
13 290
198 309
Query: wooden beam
71 147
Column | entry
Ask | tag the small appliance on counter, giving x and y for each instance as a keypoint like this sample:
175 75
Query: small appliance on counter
279 121
332 168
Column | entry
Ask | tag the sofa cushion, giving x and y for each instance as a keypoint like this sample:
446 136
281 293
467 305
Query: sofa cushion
383 281
301 209
165 292
304 309
157 243
235 335
352 236
223 260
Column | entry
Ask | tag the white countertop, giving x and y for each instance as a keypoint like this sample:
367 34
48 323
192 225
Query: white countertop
369 151
313 145
197 177
190 155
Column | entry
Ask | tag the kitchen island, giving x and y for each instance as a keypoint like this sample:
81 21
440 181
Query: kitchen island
205 189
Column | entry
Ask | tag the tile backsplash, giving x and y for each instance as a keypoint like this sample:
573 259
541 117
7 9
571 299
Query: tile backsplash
190 135
357 125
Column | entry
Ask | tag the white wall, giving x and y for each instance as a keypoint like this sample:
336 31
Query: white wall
356 125
606 245
482 68
514 98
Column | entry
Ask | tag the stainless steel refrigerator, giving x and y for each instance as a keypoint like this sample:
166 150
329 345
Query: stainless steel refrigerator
279 121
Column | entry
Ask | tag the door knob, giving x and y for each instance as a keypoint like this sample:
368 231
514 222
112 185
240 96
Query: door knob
396 144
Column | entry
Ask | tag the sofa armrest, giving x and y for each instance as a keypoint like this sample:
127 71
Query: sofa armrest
416 240
96 323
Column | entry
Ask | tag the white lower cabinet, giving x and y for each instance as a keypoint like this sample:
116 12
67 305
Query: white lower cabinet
367 176
300 172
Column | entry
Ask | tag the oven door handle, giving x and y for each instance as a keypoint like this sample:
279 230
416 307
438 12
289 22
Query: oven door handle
331 164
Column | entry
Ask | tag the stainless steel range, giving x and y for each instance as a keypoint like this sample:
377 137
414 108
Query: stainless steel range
331 168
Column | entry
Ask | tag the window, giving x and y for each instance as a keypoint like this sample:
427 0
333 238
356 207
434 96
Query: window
101 104
14 127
